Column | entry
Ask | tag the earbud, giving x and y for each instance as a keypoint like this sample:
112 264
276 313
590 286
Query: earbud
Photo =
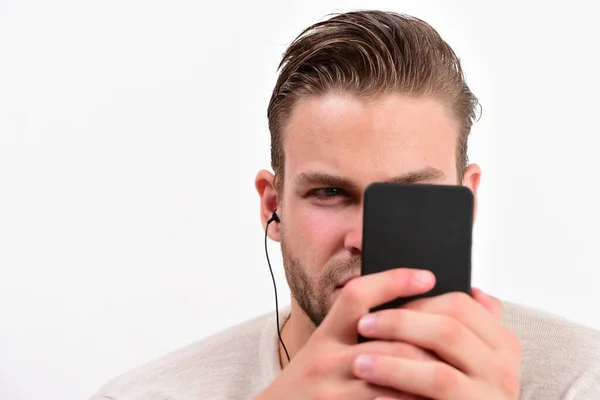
274 217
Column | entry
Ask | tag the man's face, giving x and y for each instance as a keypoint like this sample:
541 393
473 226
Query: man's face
335 146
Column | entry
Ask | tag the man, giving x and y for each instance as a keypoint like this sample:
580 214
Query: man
369 97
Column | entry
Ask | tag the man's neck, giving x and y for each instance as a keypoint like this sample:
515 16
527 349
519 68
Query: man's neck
295 333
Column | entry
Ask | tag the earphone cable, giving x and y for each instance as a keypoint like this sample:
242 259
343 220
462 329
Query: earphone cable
275 287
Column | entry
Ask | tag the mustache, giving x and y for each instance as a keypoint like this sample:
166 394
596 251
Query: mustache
338 270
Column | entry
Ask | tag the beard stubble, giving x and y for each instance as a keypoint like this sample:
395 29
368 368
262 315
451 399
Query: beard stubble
314 294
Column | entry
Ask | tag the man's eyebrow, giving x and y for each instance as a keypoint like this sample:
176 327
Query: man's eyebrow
425 174
315 178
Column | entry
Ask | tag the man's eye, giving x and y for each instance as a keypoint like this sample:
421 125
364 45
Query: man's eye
328 192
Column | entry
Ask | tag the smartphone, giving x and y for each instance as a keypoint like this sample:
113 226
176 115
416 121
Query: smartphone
422 226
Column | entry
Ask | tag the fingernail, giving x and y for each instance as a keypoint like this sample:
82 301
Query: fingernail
364 364
367 323
423 277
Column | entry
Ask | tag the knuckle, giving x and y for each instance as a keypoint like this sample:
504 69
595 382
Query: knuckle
319 366
458 303
444 380
507 375
449 332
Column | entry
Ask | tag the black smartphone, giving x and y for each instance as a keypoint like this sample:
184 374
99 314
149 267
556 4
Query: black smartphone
422 226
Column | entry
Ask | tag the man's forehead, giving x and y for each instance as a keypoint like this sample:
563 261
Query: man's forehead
351 122
344 136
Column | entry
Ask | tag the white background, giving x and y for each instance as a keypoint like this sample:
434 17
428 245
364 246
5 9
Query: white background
131 132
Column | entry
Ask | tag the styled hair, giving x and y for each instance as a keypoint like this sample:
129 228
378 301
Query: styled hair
369 53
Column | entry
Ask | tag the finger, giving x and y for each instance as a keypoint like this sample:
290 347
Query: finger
448 338
430 379
361 389
465 309
362 294
391 348
490 303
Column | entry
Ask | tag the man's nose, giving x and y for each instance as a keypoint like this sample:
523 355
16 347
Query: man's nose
353 239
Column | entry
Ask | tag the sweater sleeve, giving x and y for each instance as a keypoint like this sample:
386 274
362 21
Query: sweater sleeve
586 386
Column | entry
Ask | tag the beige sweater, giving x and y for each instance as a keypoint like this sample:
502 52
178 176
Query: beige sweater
561 360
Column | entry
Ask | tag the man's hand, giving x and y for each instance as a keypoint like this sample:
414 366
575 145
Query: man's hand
479 358
323 368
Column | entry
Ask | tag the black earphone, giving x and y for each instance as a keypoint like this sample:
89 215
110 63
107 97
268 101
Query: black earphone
275 218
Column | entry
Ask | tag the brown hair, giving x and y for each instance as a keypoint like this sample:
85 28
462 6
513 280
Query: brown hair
369 53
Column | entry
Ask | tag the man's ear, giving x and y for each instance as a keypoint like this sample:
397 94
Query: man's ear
471 179
267 190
